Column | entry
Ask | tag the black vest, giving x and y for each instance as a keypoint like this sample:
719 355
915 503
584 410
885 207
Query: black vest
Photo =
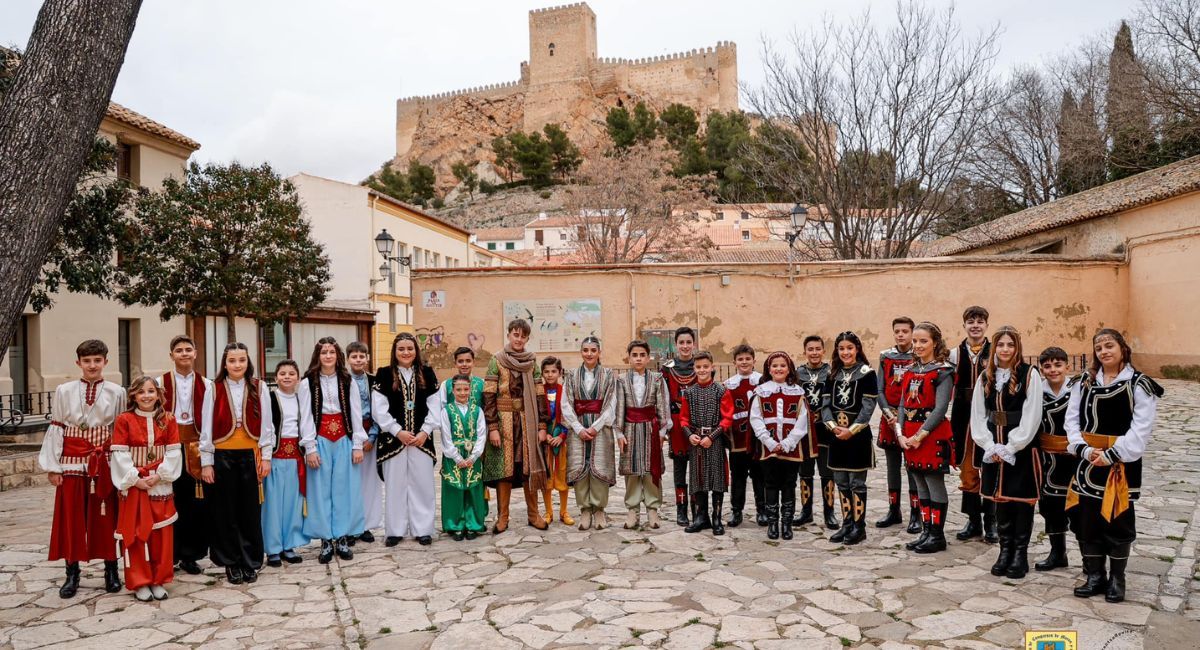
813 382
1001 400
1054 411
1108 410
846 397
387 444
314 389
967 372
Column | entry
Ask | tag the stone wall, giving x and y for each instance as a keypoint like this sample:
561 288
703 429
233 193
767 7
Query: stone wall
1052 302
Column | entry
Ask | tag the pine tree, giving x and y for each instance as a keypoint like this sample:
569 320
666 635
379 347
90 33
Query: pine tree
1133 147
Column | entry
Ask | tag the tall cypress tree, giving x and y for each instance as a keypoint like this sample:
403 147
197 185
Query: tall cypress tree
1133 147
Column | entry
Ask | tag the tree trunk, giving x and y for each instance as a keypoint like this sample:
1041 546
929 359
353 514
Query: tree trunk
230 326
48 122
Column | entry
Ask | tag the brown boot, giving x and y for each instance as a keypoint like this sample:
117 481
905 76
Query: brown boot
531 507
549 516
503 494
562 508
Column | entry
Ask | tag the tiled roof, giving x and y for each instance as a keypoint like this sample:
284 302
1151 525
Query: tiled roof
741 256
500 234
1142 189
124 115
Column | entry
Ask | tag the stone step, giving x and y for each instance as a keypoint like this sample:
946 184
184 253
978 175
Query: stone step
20 470
31 432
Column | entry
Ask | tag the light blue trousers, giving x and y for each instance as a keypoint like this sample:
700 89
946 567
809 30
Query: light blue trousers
335 502
283 509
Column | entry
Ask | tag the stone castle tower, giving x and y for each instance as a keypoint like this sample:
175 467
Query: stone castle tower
564 83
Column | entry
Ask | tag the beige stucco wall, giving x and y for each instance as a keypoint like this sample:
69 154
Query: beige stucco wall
1164 307
54 333
1051 302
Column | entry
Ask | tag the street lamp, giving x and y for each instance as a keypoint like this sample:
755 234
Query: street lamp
385 243
799 216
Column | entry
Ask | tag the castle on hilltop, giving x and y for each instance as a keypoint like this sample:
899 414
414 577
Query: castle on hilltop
565 83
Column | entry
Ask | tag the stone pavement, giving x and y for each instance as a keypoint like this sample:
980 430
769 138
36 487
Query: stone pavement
613 588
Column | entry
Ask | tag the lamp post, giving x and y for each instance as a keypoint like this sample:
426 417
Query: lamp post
384 243
799 215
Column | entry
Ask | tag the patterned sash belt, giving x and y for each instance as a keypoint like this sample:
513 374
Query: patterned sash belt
1116 489
332 428
1051 443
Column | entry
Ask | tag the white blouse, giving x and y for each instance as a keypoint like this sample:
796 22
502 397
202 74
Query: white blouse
329 406
448 448
1020 435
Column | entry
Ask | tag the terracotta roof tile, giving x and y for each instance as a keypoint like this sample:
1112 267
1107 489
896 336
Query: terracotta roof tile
1142 189
499 234
121 114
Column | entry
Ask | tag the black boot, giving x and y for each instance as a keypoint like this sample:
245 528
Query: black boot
681 507
937 530
233 574
699 513
760 516
915 525
806 499
786 513
366 536
1058 553
925 528
1022 516
847 518
1007 544
735 519
112 578
1096 581
858 514
718 503
326 555
343 549
971 508
772 521
1118 557
71 584
989 522
893 513
829 496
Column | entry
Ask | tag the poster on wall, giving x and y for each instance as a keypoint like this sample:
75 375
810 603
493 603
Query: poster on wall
558 325
435 299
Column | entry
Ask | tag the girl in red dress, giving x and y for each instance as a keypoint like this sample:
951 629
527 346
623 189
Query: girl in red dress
146 460
924 432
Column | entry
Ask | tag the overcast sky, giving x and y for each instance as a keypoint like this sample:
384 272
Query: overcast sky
311 85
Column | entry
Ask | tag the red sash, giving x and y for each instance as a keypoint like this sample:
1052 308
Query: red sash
135 520
643 415
97 463
332 427
590 407
289 449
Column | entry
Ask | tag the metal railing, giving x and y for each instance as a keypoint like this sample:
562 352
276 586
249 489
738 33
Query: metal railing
28 404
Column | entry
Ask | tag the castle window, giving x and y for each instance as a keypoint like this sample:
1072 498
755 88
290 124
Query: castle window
552 49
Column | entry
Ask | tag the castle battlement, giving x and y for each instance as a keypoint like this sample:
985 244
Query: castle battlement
507 85
562 82
573 5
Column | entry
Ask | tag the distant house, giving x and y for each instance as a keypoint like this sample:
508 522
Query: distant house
1099 221
501 239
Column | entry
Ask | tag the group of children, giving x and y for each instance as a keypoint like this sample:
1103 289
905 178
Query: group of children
246 471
